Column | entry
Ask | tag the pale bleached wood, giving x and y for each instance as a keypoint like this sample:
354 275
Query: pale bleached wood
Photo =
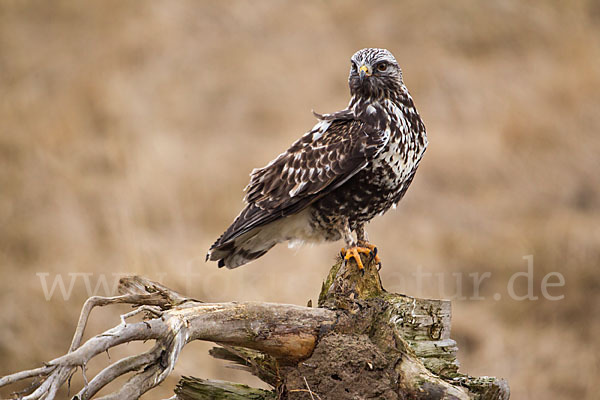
402 344
283 331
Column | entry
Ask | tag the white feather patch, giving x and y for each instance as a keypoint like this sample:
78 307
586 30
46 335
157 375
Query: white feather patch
298 187
320 128
295 243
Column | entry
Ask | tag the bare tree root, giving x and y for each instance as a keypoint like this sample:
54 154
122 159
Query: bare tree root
173 321
362 342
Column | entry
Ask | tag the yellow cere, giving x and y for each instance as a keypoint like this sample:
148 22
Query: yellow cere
364 69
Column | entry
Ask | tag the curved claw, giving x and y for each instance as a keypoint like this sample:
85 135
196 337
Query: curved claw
354 252
373 253
375 257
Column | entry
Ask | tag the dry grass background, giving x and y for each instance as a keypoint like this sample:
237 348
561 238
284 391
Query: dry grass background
128 129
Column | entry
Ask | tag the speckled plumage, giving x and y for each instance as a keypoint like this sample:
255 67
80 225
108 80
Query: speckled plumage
353 165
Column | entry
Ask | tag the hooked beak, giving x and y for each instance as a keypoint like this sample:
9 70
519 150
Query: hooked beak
365 70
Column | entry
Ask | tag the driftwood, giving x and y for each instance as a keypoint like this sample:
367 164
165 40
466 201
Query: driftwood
360 342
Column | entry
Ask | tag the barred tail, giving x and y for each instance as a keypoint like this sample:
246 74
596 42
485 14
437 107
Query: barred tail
254 232
243 249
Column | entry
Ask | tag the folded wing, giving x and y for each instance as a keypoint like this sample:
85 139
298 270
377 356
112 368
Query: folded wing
322 160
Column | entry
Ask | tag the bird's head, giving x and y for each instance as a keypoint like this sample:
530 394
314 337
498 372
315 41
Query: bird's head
374 73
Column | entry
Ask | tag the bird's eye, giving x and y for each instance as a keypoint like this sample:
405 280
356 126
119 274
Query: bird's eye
352 66
382 67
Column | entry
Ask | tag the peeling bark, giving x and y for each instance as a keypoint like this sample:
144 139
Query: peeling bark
361 342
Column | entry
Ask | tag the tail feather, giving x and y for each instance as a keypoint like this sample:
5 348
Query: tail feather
242 249
240 257
235 248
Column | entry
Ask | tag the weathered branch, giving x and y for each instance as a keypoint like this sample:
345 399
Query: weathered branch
257 326
360 342
190 388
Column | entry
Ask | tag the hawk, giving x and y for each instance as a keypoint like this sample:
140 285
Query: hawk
351 166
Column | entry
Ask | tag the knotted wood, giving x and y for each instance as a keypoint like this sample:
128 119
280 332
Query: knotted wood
360 342
383 345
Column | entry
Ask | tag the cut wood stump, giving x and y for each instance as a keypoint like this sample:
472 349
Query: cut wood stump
360 342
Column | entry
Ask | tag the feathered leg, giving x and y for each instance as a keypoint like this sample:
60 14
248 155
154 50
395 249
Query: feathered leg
363 241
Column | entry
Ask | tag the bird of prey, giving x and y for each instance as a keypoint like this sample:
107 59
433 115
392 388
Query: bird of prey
351 166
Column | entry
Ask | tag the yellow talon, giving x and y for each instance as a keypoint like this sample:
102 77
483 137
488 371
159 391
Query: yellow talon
374 251
354 252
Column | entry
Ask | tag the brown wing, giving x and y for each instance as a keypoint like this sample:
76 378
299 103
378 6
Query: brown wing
320 161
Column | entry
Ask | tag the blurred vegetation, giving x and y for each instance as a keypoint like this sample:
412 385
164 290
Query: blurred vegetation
128 129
